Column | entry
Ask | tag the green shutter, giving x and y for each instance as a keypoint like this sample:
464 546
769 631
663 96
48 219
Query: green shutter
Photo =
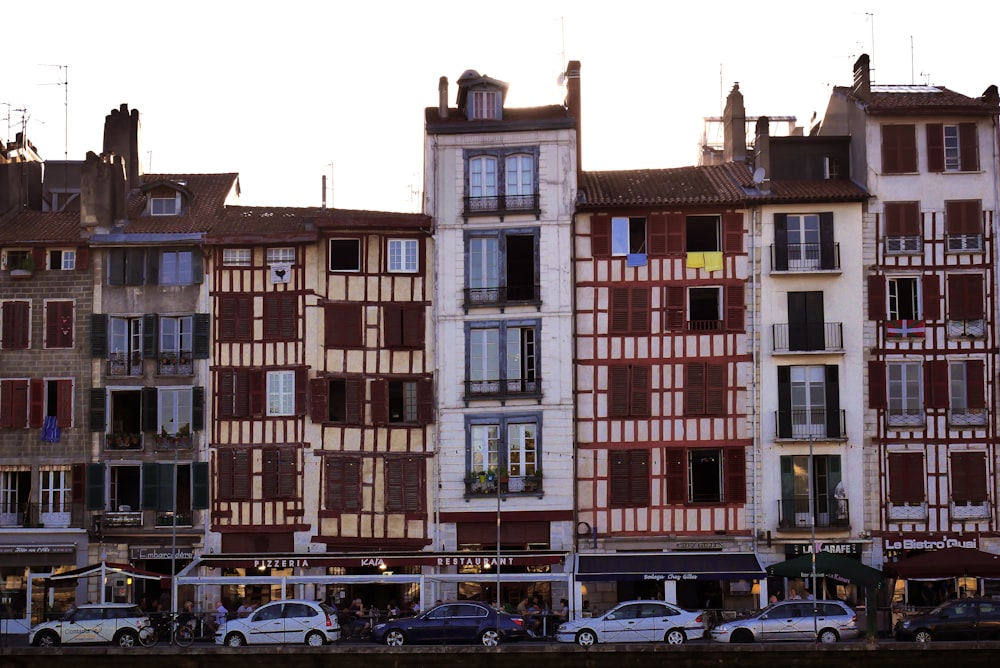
95 486
200 484
150 486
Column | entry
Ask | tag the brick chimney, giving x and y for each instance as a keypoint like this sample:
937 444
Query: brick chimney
762 149
443 98
121 137
863 79
573 105
734 127
102 190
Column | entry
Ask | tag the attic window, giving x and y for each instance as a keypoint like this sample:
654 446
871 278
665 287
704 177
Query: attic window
164 201
484 105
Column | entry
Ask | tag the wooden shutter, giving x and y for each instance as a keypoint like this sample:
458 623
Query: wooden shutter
827 245
99 335
674 320
16 317
715 389
619 474
150 486
269 473
619 318
78 484
343 325
780 242
639 395
59 324
319 410
301 391
736 475
968 142
736 308
676 232
906 477
392 321
355 398
413 325
968 477
902 219
64 403
618 390
150 335
13 404
256 392
975 384
200 485
676 475
732 232
657 227
963 216
877 397
935 147
280 316
150 409
343 483
394 485
198 408
288 472
876 297
36 403
965 296
638 462
116 266
694 388
832 391
600 235
936 392
425 400
227 318
95 486
784 401
225 394
899 149
380 401
135 266
202 336
931 286
82 257
639 310
98 407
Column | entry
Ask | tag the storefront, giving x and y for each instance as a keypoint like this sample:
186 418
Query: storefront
832 585
25 596
931 569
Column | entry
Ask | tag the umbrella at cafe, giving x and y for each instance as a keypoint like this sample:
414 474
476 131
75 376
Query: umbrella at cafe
949 562
828 565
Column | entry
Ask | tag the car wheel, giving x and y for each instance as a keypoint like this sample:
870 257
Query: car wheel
923 635
586 638
315 639
46 639
235 640
395 638
126 638
741 635
675 637
828 636
490 638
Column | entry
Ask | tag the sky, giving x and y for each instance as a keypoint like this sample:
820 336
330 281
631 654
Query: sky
285 93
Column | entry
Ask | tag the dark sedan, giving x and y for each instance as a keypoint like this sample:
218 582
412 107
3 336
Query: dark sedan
962 619
455 622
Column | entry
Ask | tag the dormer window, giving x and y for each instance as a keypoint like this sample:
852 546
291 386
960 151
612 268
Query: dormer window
484 105
166 198
164 206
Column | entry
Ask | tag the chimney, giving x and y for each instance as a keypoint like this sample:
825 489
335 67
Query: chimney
734 127
443 98
573 106
121 137
102 190
862 79
762 149
991 96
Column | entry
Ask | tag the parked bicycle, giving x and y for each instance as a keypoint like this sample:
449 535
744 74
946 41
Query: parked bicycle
177 627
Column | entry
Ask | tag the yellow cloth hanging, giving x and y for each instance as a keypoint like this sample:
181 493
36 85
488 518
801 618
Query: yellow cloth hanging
713 261
695 260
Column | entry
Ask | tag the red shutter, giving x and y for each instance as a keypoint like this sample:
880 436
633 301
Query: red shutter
425 400
619 478
380 401
36 403
968 477
932 297
600 235
301 390
318 410
289 315
242 473
694 388
619 320
16 317
876 297
78 483
965 297
354 389
83 257
735 308
6 403
618 390
413 326
675 233
257 392
674 320
902 219
736 475
975 384
224 464
59 324
936 384
935 147
227 318
394 485
963 216
657 223
272 316
715 389
906 477
639 400
877 397
288 472
64 403
343 325
225 393
638 462
18 404
732 226
392 321
968 143
676 475
639 311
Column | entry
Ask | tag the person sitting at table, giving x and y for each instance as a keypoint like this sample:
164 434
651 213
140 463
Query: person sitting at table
392 610
529 611
562 612
245 608
357 616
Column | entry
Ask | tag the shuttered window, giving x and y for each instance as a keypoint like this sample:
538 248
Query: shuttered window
14 404
59 324
403 325
280 472
628 391
629 311
232 393
906 477
235 318
902 219
233 474
952 147
281 317
965 297
968 477
630 478
964 216
342 483
404 484
15 320
899 149
337 400
704 389
600 235
343 325
402 401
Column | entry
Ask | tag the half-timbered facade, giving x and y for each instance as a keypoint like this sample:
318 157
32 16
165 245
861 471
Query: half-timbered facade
930 158
663 368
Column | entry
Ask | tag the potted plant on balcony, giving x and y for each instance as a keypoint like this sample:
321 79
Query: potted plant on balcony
503 476
22 267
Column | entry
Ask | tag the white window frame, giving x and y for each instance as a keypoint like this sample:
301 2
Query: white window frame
484 104
158 206
237 257
905 388
178 269
484 447
808 400
55 491
520 174
802 235
67 259
125 336
892 302
281 254
280 393
952 149
180 337
484 262
522 440
175 408
9 488
483 176
403 255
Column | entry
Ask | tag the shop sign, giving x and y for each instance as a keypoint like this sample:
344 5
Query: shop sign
698 546
798 549
37 549
673 577
149 553
320 561
929 542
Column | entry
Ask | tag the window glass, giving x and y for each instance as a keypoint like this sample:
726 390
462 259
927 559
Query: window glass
281 393
176 267
483 177
163 206
345 255
280 255
236 257
403 255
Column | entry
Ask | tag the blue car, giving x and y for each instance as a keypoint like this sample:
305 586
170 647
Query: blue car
453 623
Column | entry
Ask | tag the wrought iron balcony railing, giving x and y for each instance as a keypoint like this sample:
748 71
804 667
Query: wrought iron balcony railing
500 205
829 512
822 336
814 423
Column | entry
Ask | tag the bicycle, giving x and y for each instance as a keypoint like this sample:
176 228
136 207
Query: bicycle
173 628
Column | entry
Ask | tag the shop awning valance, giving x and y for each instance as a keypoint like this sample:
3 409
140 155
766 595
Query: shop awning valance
949 562
828 565
669 566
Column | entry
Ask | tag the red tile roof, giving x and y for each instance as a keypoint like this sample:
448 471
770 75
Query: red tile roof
919 100
715 184
821 190
42 227
551 116
210 192
303 223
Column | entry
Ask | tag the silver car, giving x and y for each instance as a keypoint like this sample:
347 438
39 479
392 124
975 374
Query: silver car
289 621
118 623
826 621
635 621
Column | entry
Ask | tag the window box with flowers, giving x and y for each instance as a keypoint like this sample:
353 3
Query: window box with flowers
181 440
21 264
123 441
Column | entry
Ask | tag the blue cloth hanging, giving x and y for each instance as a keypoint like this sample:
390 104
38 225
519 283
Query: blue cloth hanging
51 432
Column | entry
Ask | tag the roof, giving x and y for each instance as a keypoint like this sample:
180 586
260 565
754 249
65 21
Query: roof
818 190
304 223
919 100
548 117
29 227
210 193
711 184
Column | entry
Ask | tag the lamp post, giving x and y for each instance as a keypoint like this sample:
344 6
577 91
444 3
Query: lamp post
173 542
498 548
812 537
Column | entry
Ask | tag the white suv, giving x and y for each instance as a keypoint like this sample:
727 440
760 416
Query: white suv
118 623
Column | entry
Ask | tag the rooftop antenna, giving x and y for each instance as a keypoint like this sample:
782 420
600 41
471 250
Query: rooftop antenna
65 84
330 165
871 16
722 94
912 80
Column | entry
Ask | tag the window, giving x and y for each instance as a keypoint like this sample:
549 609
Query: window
14 404
630 312
59 324
124 337
55 492
809 402
483 177
58 409
62 260
501 267
345 255
704 389
176 345
280 393
904 298
968 478
337 400
500 180
967 398
966 313
505 442
705 469
503 358
164 206
807 329
702 234
628 236
237 257
404 484
906 402
19 259
404 325
964 225
281 316
906 478
234 473
805 242
402 401
899 149
15 325
830 507
178 268
124 488
403 255
910 299
283 254
903 232
233 393
629 391
520 175
175 411
343 325
235 318
342 483
279 473
126 266
484 105
952 148
15 494
630 478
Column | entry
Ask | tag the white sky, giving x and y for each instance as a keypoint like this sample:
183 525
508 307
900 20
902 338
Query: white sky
282 91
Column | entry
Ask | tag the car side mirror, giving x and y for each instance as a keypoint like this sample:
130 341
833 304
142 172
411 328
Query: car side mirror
611 616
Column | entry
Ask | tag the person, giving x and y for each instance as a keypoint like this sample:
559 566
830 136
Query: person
840 494
392 610
356 614
562 612
245 608
415 606
527 609
793 595
218 620
773 599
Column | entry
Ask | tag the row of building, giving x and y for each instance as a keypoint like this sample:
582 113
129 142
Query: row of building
597 385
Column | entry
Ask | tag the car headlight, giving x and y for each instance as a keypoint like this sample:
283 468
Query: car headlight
906 624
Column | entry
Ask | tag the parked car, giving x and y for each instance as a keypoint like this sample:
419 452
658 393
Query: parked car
118 623
635 621
288 622
962 619
453 622
826 621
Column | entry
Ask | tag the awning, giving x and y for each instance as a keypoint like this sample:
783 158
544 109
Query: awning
843 569
104 568
949 562
669 566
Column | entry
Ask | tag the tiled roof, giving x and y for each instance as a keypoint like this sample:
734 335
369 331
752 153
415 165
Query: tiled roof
547 116
297 222
821 190
354 218
919 100
714 184
204 211
40 226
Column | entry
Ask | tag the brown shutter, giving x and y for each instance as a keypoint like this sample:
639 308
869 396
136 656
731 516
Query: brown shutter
413 326
333 483
59 324
354 389
902 219
965 297
257 392
379 401
975 384
269 473
932 297
906 477
732 226
425 400
715 389
78 486
6 403
15 317
64 403
963 216
225 393
83 257
301 390
676 475
412 484
288 472
224 463
936 384
638 477
736 475
694 388
968 477
227 318
600 235
343 325
968 143
618 390
657 223
676 224
394 485
242 473
272 316
289 314
319 411
876 297
935 147
639 403
877 385
619 473
639 311
36 403
674 320
735 308
392 321
19 404
619 320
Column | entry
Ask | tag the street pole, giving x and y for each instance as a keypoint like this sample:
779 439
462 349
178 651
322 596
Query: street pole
812 537
498 548
173 547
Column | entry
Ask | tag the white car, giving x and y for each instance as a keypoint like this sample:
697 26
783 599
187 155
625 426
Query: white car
290 621
825 621
635 621
118 623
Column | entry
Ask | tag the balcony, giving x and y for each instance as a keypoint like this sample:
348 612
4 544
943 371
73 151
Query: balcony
173 364
970 511
126 519
123 441
831 513
501 296
812 337
704 325
912 418
124 364
967 417
815 423
170 442
166 519
501 205
517 388
805 259
908 512
965 243
38 515
485 485
904 245
967 329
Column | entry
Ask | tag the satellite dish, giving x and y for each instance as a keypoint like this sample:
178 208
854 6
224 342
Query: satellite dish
758 176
